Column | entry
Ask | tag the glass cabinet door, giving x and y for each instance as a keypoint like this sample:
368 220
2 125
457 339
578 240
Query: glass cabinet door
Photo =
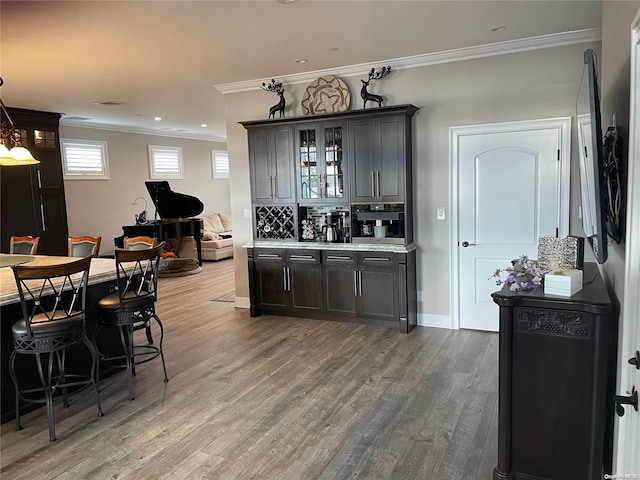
321 166
309 175
333 181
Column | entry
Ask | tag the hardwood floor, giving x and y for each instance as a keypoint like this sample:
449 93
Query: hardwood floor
275 398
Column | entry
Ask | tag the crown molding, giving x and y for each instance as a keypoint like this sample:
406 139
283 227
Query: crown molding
142 131
456 55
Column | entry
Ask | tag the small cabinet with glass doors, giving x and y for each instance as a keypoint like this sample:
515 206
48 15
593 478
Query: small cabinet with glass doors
321 167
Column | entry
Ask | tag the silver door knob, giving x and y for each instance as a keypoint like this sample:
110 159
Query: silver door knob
465 244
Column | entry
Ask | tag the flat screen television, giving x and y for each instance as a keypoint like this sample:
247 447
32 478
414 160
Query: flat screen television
591 157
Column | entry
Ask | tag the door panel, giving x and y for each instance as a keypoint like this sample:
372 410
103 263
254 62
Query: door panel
339 289
283 165
271 290
379 294
306 288
362 154
260 158
391 159
508 197
513 225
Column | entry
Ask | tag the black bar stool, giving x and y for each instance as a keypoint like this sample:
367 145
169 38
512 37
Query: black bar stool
53 300
132 308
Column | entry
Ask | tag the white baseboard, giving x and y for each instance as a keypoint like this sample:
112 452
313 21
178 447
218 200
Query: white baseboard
438 321
242 302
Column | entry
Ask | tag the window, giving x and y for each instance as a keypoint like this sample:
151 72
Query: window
220 164
165 162
84 160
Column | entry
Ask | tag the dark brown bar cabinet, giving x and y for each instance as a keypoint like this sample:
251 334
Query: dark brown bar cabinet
557 365
32 197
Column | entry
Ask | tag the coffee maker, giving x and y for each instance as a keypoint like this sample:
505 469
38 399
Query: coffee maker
343 227
337 227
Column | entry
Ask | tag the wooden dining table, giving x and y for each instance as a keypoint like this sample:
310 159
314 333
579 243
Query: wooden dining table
102 281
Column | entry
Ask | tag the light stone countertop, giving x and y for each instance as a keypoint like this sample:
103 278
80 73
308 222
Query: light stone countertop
102 270
367 247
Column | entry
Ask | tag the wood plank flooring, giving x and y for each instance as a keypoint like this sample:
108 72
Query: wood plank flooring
275 398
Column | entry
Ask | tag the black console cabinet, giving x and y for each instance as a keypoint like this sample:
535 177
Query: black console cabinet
556 383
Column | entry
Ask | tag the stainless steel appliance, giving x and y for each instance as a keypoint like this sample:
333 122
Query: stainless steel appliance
378 223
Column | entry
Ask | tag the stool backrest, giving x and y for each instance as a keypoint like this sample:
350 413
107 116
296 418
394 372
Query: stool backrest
51 293
137 272
84 246
25 245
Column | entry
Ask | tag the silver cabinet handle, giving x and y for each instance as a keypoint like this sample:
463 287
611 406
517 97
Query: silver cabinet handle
376 259
268 255
284 278
373 183
275 181
355 283
360 282
302 257
44 226
378 194
288 279
340 258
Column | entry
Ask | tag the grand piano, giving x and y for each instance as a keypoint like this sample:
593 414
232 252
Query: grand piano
174 210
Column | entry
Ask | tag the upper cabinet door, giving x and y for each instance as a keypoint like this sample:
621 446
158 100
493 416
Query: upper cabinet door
377 159
390 179
320 164
271 165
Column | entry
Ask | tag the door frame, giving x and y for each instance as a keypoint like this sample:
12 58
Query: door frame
563 125
627 439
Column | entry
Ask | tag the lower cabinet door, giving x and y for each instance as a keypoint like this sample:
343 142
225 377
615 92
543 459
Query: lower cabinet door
378 290
340 290
305 288
271 286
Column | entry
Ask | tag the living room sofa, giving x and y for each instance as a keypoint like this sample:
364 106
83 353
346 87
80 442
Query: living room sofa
217 241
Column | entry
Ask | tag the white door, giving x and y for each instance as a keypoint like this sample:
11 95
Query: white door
511 190
627 461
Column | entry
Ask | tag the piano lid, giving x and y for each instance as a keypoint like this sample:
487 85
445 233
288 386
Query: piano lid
170 204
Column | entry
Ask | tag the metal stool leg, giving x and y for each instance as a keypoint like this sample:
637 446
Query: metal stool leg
94 364
12 373
164 367
48 394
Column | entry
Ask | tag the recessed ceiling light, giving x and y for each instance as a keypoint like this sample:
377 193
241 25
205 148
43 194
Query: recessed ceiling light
284 2
334 49
302 60
157 119
499 29
203 125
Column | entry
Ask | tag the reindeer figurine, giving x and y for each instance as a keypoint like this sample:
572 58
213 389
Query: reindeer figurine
373 75
278 90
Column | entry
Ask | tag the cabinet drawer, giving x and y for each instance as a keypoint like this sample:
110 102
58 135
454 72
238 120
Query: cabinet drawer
338 258
268 254
303 256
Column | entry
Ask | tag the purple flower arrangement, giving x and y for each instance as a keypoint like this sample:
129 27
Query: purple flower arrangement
524 274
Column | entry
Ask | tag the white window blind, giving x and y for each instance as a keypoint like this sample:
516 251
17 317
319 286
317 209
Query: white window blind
220 162
165 162
84 160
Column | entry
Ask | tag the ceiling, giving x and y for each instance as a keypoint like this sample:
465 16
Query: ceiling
163 58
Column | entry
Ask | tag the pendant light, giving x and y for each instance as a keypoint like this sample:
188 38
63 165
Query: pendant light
17 155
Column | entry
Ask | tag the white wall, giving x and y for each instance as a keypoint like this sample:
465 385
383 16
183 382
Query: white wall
520 86
101 207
